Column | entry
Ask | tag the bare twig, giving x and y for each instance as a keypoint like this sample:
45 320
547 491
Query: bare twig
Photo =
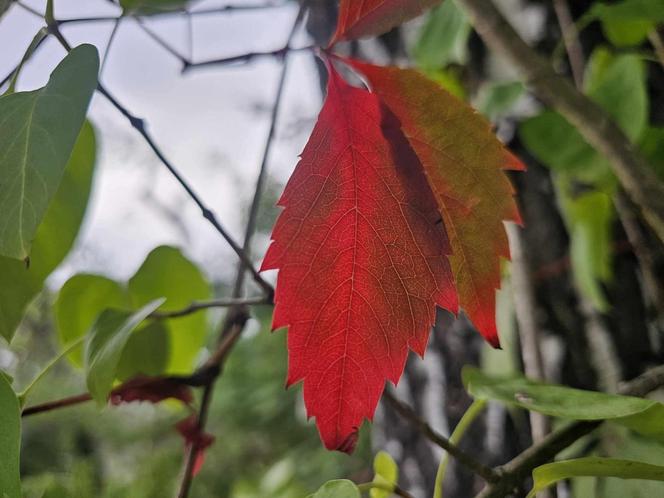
526 317
213 303
226 9
29 9
653 288
517 470
237 316
571 40
594 124
405 411
392 489
262 174
56 405
657 43
139 125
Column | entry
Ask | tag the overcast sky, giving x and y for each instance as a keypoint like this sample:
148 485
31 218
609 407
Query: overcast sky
212 123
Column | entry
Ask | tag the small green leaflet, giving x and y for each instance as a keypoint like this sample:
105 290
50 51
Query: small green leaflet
498 98
546 475
10 440
641 415
36 41
340 488
443 38
589 217
106 341
82 298
54 238
174 344
166 272
387 474
38 130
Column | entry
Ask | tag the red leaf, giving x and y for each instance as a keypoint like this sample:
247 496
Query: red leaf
190 430
361 18
463 162
359 248
151 389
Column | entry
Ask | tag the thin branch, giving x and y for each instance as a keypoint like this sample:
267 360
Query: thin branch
262 174
226 9
29 9
405 411
237 316
231 331
571 40
520 468
391 489
163 43
214 303
595 125
139 125
56 405
18 66
244 58
653 288
526 317
109 44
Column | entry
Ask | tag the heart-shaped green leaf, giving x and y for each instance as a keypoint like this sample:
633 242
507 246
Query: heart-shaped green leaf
106 342
38 130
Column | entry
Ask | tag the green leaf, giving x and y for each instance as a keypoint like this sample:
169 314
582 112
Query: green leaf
55 236
628 446
80 301
387 473
147 352
630 10
498 98
443 38
340 488
10 440
38 131
620 89
652 146
469 416
589 217
546 475
149 7
106 342
627 32
641 415
166 272
617 84
558 145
